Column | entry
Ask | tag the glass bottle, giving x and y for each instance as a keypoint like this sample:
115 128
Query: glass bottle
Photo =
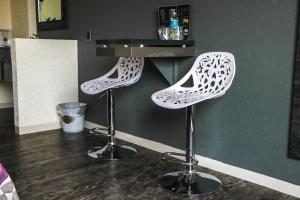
175 32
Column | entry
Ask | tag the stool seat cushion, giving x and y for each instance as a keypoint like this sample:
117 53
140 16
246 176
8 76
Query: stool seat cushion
212 75
129 71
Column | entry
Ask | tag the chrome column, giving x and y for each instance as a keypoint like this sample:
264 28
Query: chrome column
188 182
111 151
190 140
111 117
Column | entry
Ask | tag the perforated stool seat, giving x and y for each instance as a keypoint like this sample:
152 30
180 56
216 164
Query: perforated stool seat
7 187
129 71
212 75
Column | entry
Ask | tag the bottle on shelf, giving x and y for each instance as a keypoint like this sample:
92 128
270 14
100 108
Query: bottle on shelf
185 27
175 31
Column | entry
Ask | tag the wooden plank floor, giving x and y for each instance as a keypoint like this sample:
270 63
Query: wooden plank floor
54 165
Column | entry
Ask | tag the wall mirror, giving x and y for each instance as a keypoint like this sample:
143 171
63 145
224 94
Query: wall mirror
51 14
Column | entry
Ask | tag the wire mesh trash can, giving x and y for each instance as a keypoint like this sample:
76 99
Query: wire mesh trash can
72 116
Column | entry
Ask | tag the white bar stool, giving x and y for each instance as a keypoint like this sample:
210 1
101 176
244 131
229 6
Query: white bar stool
129 71
212 75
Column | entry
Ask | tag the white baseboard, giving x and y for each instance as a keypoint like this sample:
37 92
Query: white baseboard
6 105
259 179
37 128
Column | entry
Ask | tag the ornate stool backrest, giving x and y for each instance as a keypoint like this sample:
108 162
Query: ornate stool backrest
129 69
213 73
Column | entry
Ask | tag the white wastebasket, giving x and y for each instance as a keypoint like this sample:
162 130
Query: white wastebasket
72 116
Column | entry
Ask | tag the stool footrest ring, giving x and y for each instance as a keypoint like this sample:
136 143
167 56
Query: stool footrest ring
166 157
95 131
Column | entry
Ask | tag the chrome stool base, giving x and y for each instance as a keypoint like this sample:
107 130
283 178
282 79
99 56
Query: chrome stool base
112 152
189 184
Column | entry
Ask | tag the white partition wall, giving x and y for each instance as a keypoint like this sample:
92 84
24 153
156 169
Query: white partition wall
45 73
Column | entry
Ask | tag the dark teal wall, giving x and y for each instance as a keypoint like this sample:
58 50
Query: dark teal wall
249 126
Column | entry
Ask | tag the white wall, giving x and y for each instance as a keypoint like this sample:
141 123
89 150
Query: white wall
45 73
18 16
5 15
32 29
23 18
6 99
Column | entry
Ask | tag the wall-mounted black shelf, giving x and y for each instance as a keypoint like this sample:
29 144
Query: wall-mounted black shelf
153 49
146 42
146 52
145 48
